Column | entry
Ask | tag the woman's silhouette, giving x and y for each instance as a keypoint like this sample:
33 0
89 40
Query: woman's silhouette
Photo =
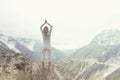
46 33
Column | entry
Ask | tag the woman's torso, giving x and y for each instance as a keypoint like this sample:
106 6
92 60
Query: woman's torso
46 40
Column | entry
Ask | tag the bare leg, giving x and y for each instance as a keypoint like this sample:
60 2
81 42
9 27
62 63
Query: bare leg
43 59
49 59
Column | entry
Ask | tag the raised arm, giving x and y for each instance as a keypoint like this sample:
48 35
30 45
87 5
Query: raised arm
43 25
50 26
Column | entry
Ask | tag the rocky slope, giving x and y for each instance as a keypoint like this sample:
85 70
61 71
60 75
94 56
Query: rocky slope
13 65
16 66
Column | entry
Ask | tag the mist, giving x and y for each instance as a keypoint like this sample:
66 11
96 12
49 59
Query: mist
75 22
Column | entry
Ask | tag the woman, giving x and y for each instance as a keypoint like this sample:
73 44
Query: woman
46 33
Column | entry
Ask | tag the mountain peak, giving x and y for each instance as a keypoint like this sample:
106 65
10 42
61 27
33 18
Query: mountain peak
107 37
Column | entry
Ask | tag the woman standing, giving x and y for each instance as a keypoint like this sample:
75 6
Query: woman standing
46 33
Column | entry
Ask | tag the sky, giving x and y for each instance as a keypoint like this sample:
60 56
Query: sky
75 22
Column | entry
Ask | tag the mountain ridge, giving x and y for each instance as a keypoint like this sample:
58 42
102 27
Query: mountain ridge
29 47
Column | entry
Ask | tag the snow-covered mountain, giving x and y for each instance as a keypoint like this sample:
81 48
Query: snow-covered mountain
29 47
101 53
29 43
107 37
110 42
99 60
8 42
12 44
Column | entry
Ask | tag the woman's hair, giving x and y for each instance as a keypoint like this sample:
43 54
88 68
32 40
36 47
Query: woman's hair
46 30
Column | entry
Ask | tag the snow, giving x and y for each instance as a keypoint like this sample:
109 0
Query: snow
10 44
28 43
31 45
109 37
